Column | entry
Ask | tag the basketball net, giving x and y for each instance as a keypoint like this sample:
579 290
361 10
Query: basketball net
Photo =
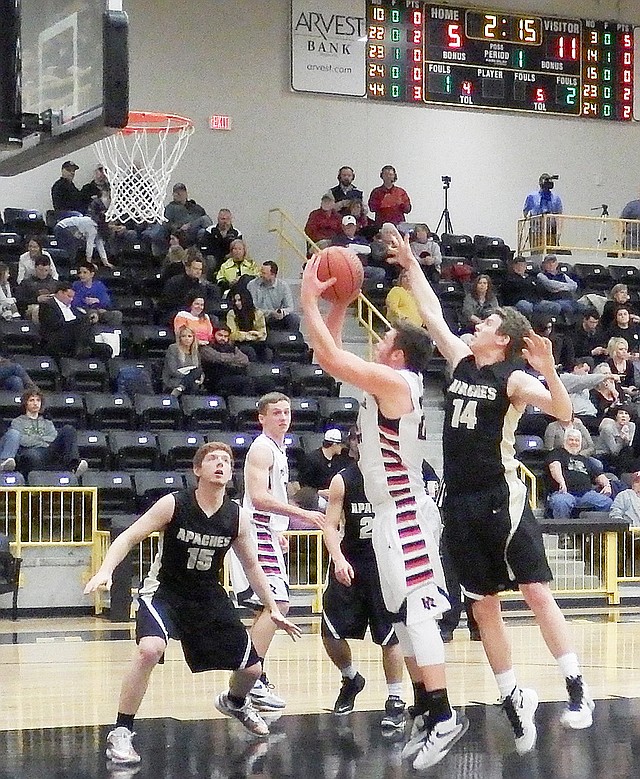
139 161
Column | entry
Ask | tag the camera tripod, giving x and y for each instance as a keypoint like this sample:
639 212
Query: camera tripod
602 232
445 217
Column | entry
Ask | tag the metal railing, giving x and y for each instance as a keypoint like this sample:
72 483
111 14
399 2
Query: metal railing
549 233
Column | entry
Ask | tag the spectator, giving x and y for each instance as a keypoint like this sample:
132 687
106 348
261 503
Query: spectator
120 239
225 372
238 267
344 192
618 296
77 232
182 371
323 224
563 353
318 467
623 327
34 441
92 295
175 262
36 289
555 431
626 504
184 217
427 251
400 303
358 244
196 319
27 261
518 289
578 483
97 189
544 201
587 336
66 331
556 286
8 307
273 296
13 377
65 196
579 383
179 287
604 395
248 327
217 240
620 363
632 230
616 442
389 202
366 226
478 303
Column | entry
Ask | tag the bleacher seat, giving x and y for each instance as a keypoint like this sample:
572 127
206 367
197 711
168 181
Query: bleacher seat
375 292
338 412
177 448
151 485
531 451
312 380
158 412
25 221
287 346
133 449
243 412
136 309
451 292
151 340
149 364
295 451
52 479
66 408
269 378
115 491
204 412
9 406
305 413
118 281
43 371
138 257
625 274
106 410
311 441
489 247
494 267
239 443
457 246
10 479
94 448
20 336
10 245
591 276
84 375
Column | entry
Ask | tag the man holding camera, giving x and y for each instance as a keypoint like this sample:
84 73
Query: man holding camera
544 201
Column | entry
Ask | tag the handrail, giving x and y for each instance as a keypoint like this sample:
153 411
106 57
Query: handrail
549 233
530 479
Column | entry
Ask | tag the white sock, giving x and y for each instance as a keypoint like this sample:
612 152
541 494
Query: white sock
506 682
569 665
395 689
349 672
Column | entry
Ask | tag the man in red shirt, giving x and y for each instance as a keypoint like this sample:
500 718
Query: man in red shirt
324 223
389 202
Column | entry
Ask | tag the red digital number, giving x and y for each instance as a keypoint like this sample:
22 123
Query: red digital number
416 36
454 38
466 87
626 112
627 40
417 55
417 74
627 94
540 95
417 93
627 77
568 47
626 58
417 18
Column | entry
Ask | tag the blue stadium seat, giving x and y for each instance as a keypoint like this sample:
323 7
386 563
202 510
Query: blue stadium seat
204 412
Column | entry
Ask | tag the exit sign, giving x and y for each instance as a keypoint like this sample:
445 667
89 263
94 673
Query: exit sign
219 122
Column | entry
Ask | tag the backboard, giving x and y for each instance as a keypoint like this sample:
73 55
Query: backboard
64 78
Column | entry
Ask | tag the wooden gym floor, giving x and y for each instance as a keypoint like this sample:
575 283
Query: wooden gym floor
59 684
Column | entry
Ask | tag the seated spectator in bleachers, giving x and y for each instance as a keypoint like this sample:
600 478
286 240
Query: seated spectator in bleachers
36 289
623 327
81 234
8 307
577 482
579 383
217 239
587 336
248 327
196 319
27 261
604 395
13 377
400 303
618 296
478 303
626 504
98 188
620 362
557 287
225 371
182 371
120 239
274 298
349 238
181 286
345 191
427 251
65 196
175 261
318 467
35 443
554 436
93 296
238 267
323 223
184 217
518 289
65 330
359 210
563 354
616 443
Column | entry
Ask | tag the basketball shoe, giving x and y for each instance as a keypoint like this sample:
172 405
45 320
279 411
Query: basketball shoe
393 718
520 708
120 747
438 739
262 696
579 711
245 714
347 695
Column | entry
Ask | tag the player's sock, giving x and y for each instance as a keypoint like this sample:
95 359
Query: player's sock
395 689
125 721
349 672
420 701
506 682
569 665
235 700
438 708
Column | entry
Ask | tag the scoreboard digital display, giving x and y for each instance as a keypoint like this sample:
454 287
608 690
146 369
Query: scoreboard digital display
422 53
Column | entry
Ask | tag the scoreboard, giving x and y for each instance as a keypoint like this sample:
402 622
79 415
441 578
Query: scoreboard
421 53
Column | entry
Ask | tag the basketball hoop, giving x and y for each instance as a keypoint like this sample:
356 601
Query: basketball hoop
139 160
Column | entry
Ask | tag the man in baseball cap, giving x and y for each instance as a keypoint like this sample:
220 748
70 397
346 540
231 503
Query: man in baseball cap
65 196
321 465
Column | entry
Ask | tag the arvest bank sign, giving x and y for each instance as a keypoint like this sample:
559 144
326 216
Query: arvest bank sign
328 39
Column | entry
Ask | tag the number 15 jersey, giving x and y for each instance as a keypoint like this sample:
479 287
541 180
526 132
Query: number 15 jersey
479 426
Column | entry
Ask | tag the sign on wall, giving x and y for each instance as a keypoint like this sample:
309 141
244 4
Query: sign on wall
328 44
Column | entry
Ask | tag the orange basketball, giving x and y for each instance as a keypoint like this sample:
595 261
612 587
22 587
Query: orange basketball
344 265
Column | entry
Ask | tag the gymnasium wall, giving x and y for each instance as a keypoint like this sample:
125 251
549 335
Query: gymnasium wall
232 57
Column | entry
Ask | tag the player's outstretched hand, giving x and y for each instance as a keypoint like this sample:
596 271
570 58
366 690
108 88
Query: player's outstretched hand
316 517
284 624
539 353
312 288
399 252
99 580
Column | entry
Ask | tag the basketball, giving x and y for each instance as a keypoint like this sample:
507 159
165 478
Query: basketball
344 265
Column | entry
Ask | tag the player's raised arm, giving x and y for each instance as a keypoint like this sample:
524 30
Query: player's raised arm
449 345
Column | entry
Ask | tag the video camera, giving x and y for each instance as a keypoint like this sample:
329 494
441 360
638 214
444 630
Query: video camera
546 182
446 181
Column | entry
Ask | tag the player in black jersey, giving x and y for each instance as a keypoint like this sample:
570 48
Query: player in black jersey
353 599
182 596
490 531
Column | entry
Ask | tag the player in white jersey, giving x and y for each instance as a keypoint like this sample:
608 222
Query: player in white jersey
266 474
406 525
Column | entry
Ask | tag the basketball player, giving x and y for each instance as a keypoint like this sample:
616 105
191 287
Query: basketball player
182 596
266 473
406 522
490 531
353 598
